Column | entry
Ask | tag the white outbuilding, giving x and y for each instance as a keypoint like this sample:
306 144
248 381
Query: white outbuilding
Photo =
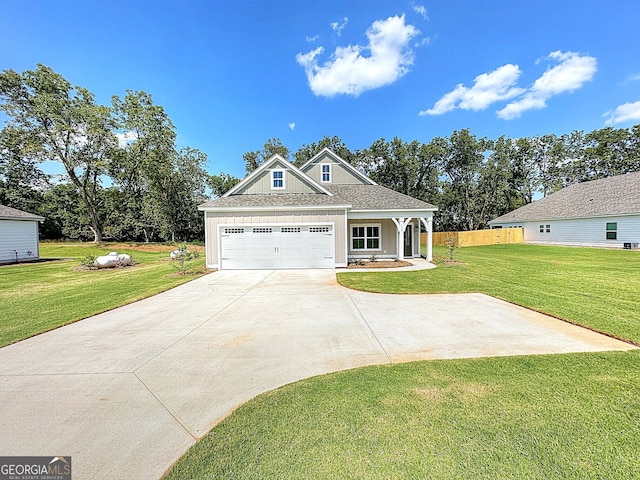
598 213
18 235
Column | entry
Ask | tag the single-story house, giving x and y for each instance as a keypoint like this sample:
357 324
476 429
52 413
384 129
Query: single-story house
19 232
598 213
321 215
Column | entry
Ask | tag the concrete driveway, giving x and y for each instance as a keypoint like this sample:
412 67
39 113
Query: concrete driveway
127 392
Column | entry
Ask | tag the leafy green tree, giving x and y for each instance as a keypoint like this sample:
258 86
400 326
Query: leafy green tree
335 144
65 215
409 168
221 183
62 123
21 181
272 146
461 165
610 151
144 160
523 174
549 156
177 194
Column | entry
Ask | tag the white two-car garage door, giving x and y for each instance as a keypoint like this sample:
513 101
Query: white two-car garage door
276 246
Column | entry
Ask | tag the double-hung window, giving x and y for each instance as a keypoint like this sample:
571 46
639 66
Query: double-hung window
612 230
277 179
365 237
326 173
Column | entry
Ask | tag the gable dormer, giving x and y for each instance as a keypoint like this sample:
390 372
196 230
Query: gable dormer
327 168
276 176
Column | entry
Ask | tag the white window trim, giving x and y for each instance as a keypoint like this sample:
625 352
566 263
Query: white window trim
273 179
322 180
365 225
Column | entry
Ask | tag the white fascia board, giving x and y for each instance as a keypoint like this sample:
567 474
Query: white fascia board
340 160
24 219
292 207
364 214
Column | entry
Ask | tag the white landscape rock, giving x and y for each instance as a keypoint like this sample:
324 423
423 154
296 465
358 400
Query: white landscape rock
112 259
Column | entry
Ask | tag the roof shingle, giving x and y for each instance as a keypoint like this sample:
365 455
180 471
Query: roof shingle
356 197
377 197
9 213
274 200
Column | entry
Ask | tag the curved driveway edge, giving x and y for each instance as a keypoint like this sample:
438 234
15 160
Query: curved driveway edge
127 392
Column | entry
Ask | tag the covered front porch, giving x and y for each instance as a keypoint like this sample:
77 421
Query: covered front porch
388 235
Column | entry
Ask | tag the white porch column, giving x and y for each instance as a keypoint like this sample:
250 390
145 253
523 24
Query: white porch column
401 226
428 225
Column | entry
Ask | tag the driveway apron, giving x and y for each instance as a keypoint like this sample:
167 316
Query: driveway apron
127 392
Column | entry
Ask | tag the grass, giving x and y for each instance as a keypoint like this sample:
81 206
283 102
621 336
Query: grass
596 288
569 416
37 297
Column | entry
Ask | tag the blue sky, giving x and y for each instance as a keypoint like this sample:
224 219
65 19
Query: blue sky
232 74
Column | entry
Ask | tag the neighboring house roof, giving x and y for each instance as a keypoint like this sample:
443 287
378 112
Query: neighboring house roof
8 213
618 195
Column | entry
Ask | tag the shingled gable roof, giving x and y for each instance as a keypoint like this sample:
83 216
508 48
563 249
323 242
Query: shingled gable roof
269 164
619 195
356 197
337 158
8 213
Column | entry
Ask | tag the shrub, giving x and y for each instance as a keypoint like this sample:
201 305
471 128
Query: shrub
88 260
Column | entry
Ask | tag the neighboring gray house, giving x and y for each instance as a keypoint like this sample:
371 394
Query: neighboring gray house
599 213
18 235
319 216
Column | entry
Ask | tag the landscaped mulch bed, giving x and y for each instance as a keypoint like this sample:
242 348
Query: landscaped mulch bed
381 264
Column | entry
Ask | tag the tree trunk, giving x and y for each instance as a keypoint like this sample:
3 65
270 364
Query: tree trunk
97 235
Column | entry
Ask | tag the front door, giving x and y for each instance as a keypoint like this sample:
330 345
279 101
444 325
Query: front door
408 243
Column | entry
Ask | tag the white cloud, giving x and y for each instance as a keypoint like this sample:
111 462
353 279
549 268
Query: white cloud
421 10
337 27
350 72
487 89
626 112
124 138
312 39
571 73
292 125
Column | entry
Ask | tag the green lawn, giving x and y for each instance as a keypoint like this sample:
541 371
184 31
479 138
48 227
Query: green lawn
37 297
597 288
555 417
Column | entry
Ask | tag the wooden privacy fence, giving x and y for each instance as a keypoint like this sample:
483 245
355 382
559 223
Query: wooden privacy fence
478 237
